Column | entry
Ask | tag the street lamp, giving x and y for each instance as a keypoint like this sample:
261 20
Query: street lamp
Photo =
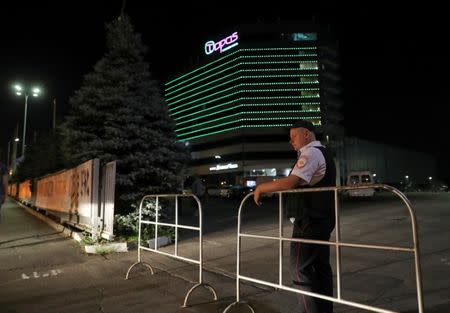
21 91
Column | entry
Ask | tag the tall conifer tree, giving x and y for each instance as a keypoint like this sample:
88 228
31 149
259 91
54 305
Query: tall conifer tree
119 114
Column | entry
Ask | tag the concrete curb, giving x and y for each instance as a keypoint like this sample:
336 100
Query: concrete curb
106 248
60 228
76 235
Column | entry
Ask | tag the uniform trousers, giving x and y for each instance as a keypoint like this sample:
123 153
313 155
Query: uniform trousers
310 264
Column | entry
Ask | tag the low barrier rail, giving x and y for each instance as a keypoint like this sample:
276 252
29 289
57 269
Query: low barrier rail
176 226
337 244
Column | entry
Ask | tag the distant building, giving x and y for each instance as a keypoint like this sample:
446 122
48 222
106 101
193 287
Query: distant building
391 165
252 82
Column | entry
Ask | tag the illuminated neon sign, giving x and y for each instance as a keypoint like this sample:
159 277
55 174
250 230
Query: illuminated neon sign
222 45
219 167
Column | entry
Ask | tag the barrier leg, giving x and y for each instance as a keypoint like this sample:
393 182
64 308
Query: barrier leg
207 286
143 263
236 303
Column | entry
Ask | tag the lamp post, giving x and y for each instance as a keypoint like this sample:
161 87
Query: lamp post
21 91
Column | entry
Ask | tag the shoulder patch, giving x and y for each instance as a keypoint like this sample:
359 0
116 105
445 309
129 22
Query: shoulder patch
302 161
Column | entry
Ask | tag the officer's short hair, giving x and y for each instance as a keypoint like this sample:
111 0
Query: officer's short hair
303 124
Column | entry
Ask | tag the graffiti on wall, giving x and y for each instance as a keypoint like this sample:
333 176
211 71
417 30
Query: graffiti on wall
68 191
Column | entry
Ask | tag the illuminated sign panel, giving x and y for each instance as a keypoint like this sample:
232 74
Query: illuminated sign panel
222 45
219 167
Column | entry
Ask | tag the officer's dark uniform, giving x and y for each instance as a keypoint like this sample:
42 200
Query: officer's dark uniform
314 219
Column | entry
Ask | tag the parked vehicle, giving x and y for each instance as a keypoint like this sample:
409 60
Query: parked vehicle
225 192
234 191
360 178
212 190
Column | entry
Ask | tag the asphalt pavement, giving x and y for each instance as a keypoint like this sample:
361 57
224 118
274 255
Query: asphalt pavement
42 269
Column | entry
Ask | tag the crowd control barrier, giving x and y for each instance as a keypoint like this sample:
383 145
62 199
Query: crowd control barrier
337 244
156 223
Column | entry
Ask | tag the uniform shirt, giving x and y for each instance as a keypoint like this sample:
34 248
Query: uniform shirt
311 165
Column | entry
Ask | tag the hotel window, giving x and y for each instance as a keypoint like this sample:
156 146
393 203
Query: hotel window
310 93
309 65
311 80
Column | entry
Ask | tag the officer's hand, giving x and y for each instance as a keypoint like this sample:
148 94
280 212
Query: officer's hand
257 196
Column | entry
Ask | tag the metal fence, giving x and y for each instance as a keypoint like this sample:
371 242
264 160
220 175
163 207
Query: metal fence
176 226
337 244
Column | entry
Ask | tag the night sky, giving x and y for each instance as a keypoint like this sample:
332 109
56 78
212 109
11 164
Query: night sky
395 60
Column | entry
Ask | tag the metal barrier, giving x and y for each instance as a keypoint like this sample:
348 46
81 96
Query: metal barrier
337 244
156 223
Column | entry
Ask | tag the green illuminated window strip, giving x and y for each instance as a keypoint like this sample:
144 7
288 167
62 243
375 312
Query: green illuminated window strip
205 110
204 85
277 62
242 98
177 130
202 98
236 128
235 59
206 115
279 70
275 118
205 72
277 76
237 100
202 67
281 111
279 56
245 105
301 69
280 104
213 126
243 77
195 106
279 97
281 89
209 134
239 91
237 107
237 51
207 122
278 49
277 84
230 81
200 92
246 119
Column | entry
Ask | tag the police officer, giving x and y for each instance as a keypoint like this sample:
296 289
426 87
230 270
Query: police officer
314 219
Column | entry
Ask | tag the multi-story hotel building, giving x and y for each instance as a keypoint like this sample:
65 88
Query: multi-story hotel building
232 109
